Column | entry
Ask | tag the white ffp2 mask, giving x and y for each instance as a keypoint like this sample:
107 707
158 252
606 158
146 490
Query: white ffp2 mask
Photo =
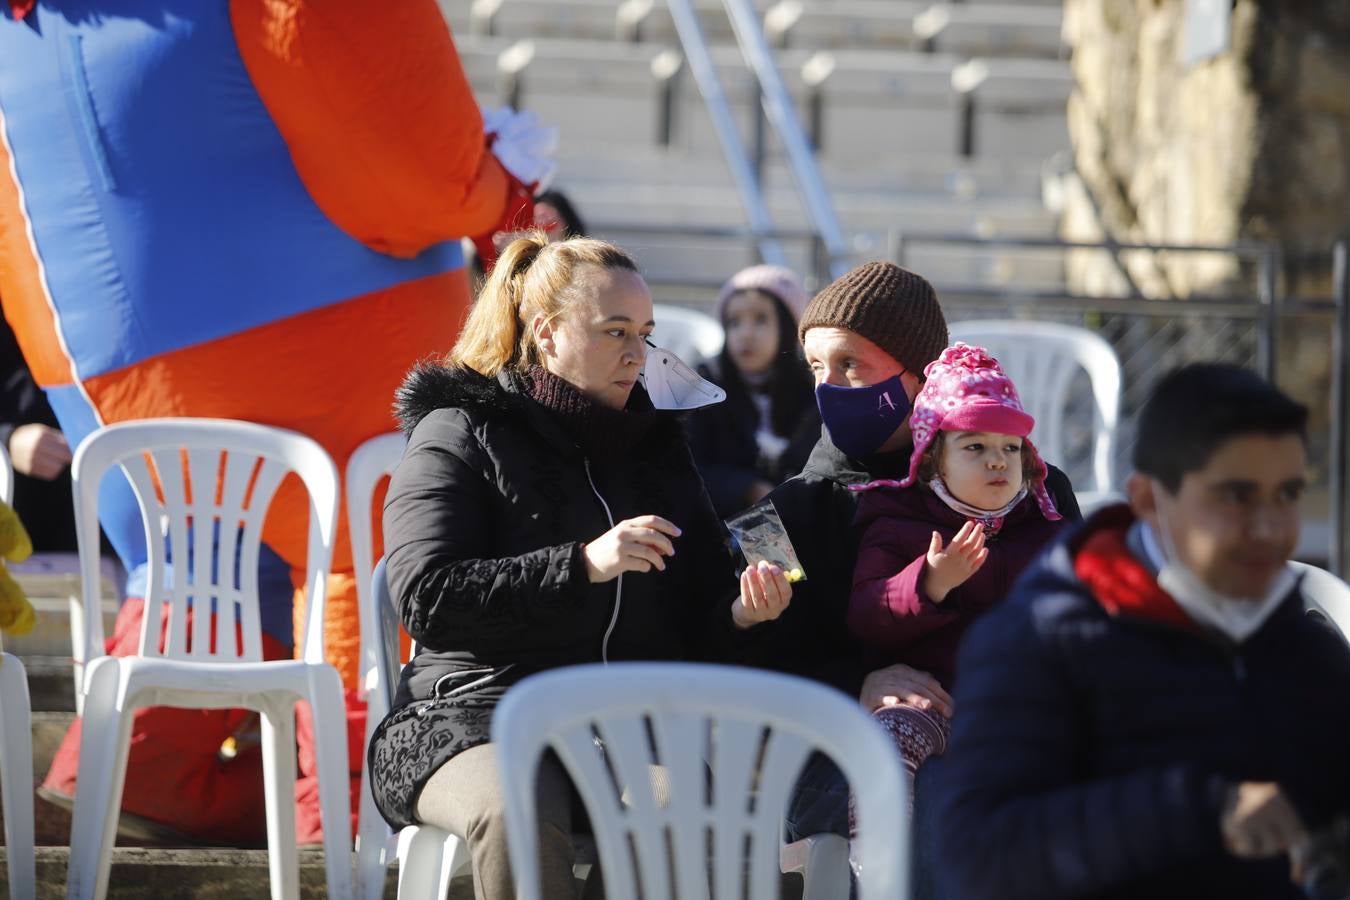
673 385
1237 617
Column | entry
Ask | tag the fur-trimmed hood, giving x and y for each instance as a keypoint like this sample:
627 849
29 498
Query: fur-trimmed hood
430 386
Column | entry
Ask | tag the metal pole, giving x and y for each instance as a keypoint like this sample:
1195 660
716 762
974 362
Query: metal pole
1340 414
895 246
705 76
1269 344
783 116
759 140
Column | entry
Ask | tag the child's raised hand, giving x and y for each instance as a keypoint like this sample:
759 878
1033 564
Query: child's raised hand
950 567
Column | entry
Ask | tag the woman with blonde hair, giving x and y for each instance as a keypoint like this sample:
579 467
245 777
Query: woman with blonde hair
544 514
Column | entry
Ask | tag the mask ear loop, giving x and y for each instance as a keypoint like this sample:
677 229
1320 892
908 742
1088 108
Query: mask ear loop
1168 547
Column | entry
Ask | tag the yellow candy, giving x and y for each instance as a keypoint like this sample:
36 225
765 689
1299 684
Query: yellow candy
15 545
795 575
16 613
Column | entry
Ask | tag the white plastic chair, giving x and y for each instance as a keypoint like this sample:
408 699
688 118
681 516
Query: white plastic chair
204 486
753 729
1043 359
16 750
1325 594
371 462
689 334
428 857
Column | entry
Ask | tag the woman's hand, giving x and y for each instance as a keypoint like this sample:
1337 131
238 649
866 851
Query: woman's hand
950 567
765 593
899 684
634 545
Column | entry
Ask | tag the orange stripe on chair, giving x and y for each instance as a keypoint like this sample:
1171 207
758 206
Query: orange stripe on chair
21 289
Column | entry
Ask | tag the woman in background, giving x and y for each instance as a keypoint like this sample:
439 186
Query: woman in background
764 431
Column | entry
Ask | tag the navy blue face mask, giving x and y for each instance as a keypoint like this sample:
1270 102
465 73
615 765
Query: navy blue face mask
861 419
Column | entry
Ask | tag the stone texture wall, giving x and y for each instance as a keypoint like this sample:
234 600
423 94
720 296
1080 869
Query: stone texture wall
1251 144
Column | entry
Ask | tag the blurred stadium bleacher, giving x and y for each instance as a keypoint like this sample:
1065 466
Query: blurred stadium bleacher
937 117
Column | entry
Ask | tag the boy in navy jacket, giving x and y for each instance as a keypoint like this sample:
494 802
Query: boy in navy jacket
1151 713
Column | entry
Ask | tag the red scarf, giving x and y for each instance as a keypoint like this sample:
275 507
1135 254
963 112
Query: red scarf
1122 584
20 8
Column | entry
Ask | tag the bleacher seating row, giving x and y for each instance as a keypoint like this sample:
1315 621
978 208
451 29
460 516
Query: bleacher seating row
1004 29
933 117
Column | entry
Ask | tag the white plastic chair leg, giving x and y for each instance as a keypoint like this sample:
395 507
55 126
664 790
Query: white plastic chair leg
105 740
278 747
372 842
823 861
16 772
428 858
330 749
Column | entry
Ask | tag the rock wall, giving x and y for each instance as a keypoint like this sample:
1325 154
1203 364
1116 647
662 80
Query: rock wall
1253 144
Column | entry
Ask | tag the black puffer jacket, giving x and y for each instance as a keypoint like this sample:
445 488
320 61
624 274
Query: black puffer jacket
483 529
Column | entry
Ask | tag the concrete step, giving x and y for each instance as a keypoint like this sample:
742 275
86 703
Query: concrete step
139 872
48 730
218 874
51 683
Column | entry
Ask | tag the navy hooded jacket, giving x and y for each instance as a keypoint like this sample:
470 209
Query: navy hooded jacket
1091 751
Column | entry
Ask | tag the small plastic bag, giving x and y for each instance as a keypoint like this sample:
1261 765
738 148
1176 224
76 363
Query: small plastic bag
760 534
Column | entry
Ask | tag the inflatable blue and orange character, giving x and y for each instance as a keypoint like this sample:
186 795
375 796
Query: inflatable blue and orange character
247 209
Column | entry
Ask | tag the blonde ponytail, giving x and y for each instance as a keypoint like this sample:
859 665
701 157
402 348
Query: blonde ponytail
531 278
494 327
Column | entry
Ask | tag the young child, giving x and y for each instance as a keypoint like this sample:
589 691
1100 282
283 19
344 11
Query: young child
936 554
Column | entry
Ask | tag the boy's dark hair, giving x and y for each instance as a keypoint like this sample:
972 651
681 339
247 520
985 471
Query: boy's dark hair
1196 408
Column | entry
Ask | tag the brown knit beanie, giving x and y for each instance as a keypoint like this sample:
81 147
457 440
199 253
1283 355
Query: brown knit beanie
892 307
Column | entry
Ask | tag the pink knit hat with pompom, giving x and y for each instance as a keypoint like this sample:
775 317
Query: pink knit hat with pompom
967 390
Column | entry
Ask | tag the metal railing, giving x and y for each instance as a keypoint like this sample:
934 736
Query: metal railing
782 115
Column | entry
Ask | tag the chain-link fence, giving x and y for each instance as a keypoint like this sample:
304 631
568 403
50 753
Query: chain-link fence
1297 342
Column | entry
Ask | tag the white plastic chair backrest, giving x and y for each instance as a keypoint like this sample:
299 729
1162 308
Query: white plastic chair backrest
216 478
384 643
6 489
689 334
6 475
1325 593
754 729
1043 359
369 464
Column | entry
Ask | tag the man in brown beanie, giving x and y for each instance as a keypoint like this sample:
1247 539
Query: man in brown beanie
867 337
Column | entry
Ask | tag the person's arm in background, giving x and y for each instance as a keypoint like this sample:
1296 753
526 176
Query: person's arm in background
36 447
379 118
1014 822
